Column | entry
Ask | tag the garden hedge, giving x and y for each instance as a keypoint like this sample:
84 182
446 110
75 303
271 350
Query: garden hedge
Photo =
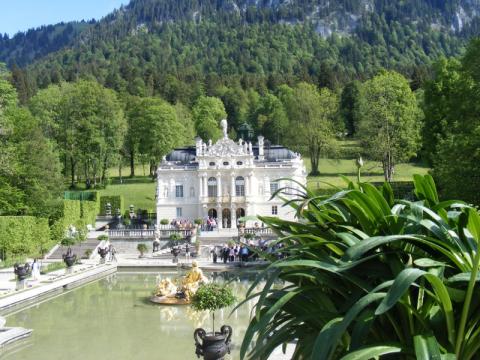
70 213
24 236
89 211
116 201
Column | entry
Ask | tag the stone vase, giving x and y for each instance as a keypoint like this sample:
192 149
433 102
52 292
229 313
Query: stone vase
213 346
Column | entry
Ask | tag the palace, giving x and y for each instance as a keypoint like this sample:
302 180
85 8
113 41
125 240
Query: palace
226 180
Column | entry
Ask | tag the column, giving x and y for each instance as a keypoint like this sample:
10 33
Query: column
232 191
233 216
219 185
219 217
205 185
200 187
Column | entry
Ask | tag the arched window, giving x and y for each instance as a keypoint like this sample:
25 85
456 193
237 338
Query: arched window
212 187
239 186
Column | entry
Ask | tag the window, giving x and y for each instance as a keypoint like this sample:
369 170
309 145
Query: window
226 163
192 192
273 186
179 191
179 213
239 186
212 187
212 164
239 163
274 210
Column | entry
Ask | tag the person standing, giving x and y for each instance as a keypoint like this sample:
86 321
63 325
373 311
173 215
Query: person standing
36 270
232 254
112 251
187 252
214 254
225 253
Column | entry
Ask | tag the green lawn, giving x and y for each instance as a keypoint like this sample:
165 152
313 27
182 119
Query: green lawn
140 194
372 171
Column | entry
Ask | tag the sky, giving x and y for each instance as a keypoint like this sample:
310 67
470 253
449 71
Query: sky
21 15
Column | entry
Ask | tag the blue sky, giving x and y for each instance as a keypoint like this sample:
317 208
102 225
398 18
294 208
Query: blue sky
21 15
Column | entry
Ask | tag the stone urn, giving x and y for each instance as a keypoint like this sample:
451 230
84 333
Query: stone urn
22 271
103 252
69 258
213 347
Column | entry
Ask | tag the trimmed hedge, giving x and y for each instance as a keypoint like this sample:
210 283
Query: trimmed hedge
70 214
89 211
24 236
116 201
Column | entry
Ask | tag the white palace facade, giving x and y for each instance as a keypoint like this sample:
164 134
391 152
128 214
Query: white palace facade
226 180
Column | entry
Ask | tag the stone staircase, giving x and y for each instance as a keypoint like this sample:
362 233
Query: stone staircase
78 249
218 237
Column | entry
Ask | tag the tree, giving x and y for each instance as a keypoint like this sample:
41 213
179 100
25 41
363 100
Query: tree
442 96
92 128
312 115
207 113
272 120
456 163
389 126
156 122
30 177
349 105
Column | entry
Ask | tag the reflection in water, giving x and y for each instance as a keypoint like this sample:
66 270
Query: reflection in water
113 319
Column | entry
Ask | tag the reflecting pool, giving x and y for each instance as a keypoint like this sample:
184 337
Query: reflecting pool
113 319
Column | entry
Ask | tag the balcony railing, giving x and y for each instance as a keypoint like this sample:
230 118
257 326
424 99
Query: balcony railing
146 233
257 231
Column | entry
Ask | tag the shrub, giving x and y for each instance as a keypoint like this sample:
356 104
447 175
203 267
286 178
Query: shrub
52 267
88 253
212 297
198 221
102 237
89 211
366 276
164 222
24 236
142 249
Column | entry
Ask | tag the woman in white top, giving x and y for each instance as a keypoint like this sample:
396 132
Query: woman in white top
35 270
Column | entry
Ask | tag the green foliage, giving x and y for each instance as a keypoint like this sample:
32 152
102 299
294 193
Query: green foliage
102 238
164 222
212 297
89 211
207 113
142 248
312 115
24 236
365 275
452 116
69 212
116 201
53 267
198 221
176 236
158 119
390 121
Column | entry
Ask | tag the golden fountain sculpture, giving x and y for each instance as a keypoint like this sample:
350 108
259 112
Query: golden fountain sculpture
168 293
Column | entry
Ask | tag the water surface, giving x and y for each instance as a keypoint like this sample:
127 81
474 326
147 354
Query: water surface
112 319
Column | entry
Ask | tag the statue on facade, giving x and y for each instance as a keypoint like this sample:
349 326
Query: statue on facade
168 294
224 125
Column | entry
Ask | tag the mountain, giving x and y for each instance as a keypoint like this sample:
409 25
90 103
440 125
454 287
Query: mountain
165 46
25 47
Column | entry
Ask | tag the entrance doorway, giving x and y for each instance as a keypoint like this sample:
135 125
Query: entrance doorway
226 219
240 213
212 213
